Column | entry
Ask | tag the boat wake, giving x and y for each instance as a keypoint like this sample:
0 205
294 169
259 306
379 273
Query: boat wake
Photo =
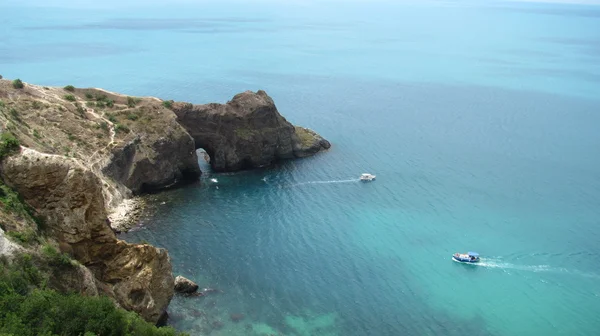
496 263
323 182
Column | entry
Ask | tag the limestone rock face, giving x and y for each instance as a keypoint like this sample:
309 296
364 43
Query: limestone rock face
150 161
184 285
246 132
7 247
68 196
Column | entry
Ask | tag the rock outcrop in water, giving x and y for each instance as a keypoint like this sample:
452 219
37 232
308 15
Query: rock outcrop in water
246 132
85 152
184 285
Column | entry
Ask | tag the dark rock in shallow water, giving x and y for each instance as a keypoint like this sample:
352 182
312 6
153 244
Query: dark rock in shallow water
184 285
236 317
247 132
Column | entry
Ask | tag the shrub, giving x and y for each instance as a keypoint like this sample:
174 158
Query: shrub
131 102
104 126
90 104
28 308
36 105
2 103
36 134
54 257
8 144
101 98
69 88
88 96
168 103
100 104
121 128
70 97
80 109
132 117
23 237
18 84
15 114
110 103
112 118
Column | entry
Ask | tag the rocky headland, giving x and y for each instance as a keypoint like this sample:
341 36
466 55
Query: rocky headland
77 158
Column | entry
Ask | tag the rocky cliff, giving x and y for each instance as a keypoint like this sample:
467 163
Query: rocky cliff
246 132
69 198
85 152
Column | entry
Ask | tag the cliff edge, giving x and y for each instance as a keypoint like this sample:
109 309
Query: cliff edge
246 132
77 155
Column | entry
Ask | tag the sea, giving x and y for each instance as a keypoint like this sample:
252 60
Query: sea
480 120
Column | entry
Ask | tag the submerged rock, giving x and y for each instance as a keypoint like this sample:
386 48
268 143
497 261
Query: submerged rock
246 132
184 285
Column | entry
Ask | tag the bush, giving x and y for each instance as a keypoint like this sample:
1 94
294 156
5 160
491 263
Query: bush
15 114
112 118
101 98
36 105
121 128
100 104
54 257
110 103
132 117
104 126
27 308
8 144
131 102
168 103
2 103
18 84
24 237
88 96
70 97
69 88
80 109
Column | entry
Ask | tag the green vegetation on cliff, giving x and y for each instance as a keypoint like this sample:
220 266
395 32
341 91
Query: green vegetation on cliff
27 307
8 144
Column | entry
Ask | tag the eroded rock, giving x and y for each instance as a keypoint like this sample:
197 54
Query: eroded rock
184 285
246 132
69 198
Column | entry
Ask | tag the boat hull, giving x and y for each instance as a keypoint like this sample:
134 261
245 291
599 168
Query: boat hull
468 261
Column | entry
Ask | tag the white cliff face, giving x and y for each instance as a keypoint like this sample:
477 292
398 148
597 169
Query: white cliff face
7 247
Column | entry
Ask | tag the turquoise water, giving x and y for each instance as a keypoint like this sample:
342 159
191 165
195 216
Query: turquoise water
479 120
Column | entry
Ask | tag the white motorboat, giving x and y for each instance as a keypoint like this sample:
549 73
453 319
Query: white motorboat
367 177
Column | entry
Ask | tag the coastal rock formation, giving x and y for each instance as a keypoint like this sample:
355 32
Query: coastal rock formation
246 132
68 196
155 154
184 285
86 152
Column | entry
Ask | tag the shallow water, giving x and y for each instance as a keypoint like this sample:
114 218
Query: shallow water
479 120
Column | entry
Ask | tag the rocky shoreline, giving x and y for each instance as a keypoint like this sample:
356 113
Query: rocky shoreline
86 154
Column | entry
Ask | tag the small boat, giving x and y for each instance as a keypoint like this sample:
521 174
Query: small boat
367 177
214 180
469 257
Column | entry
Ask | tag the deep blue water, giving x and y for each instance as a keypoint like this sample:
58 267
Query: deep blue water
478 118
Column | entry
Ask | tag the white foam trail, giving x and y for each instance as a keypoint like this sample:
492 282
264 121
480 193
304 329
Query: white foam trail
491 263
324 182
